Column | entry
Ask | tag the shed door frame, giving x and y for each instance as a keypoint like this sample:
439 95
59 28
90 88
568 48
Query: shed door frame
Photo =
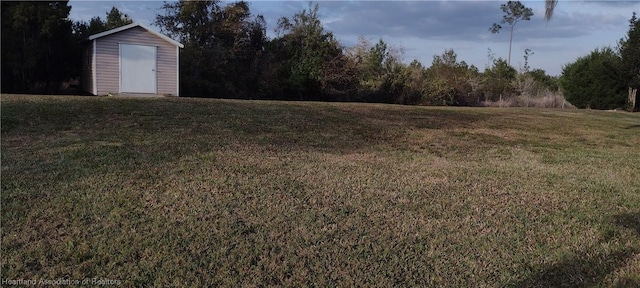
144 81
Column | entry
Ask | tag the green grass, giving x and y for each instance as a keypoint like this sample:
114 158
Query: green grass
172 191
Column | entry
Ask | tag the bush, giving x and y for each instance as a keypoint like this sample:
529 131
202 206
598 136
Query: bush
548 100
595 81
439 93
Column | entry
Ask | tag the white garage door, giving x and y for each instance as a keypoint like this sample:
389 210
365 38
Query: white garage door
137 68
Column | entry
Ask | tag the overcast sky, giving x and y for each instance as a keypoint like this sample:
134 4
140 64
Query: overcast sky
426 28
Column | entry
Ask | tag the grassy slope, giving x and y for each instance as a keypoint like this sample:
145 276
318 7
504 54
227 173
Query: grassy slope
175 191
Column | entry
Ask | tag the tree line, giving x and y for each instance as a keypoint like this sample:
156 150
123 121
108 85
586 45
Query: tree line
227 54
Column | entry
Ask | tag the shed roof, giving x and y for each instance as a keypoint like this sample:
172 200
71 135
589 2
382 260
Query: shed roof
132 25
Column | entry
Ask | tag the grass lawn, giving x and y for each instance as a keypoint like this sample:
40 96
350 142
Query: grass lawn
176 191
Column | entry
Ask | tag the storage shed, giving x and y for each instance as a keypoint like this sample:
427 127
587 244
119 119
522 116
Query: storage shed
131 59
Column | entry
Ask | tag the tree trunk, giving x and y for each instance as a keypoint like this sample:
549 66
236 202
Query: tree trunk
633 103
510 41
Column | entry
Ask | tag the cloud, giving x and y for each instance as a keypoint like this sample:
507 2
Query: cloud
613 3
85 10
427 19
453 20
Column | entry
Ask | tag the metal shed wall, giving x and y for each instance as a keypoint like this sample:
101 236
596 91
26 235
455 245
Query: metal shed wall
107 60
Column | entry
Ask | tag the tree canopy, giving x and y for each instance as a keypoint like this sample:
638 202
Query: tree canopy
629 49
36 37
310 52
222 46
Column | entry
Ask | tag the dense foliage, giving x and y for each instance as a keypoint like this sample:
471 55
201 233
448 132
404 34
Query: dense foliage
307 62
595 81
630 56
222 47
36 37
606 78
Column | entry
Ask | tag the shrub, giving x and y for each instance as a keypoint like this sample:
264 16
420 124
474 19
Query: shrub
547 100
595 81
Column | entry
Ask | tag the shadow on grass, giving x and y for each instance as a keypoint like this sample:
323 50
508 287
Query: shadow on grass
633 126
586 268
628 221
176 124
80 136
